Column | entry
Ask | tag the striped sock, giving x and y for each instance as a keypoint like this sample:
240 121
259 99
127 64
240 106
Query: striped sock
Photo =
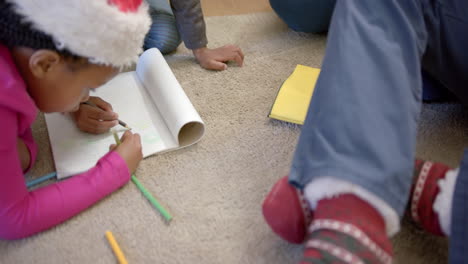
347 229
424 192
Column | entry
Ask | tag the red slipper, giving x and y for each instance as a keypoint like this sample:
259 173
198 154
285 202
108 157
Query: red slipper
287 212
424 192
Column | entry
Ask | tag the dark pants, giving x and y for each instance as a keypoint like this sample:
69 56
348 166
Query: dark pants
310 16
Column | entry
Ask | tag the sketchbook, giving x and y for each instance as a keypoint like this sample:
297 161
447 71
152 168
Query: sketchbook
293 99
150 100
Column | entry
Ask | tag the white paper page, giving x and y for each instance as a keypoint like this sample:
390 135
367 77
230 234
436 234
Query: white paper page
170 98
75 151
130 100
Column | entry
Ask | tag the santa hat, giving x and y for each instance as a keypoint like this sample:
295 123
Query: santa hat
109 32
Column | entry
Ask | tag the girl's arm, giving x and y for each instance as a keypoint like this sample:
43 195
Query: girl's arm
23 213
191 25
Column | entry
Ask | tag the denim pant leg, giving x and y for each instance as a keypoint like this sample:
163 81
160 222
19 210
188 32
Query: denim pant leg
362 120
310 16
459 230
163 33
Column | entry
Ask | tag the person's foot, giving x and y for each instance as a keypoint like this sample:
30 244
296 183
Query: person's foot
424 192
347 229
287 212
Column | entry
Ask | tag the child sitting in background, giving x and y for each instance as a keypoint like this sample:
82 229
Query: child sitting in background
51 54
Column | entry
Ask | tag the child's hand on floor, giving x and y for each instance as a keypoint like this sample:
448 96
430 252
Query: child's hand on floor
94 120
130 150
215 59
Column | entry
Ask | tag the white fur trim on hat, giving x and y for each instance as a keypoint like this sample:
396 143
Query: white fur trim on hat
90 28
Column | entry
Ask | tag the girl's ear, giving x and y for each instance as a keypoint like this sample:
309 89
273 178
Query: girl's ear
43 62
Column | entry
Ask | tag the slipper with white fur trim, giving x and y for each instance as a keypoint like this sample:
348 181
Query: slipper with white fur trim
287 212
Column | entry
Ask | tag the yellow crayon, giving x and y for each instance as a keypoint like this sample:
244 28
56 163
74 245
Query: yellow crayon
115 247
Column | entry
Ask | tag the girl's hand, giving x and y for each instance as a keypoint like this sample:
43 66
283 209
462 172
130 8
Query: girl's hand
95 120
215 59
130 150
23 152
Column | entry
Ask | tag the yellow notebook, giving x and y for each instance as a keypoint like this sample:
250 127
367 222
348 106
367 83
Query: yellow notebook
294 96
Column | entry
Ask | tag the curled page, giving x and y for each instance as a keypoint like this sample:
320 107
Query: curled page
180 116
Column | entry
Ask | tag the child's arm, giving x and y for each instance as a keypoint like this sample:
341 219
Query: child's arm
191 25
23 213
190 22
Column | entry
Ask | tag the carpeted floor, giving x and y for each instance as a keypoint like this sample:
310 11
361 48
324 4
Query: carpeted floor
215 188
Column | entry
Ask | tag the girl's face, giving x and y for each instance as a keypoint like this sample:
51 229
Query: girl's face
56 84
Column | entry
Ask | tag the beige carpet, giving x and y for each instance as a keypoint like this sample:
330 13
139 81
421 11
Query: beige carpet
215 188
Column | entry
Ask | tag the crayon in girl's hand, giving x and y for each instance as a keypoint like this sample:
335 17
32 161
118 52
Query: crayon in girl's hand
122 123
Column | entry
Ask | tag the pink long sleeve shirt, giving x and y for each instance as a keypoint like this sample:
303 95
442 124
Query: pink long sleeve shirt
23 213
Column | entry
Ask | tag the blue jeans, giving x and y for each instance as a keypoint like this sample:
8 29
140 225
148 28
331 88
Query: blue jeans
163 33
362 120
314 16
459 230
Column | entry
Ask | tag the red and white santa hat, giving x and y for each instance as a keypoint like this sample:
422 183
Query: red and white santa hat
109 32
